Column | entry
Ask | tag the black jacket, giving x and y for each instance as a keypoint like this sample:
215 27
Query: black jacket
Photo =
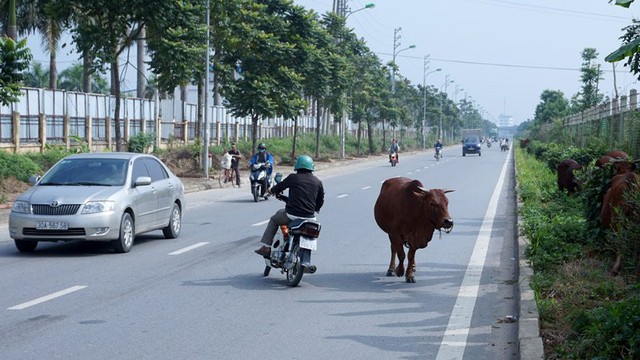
306 194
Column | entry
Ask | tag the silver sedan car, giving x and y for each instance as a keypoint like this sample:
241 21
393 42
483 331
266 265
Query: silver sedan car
99 197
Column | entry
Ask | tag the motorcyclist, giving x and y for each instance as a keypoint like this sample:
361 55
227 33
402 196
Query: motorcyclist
395 148
262 156
306 197
438 146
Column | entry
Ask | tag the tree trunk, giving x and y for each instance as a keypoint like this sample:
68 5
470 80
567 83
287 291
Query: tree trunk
384 137
295 138
53 70
359 136
372 149
86 72
318 123
254 132
141 78
115 91
200 124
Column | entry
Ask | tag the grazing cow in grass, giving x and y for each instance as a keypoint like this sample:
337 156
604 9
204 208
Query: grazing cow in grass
614 198
611 156
566 177
410 214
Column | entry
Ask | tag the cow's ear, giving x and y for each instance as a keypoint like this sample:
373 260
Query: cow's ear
447 190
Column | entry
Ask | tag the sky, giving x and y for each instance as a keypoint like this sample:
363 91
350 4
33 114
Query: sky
500 54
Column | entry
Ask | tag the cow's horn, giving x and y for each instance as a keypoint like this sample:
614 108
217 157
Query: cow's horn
448 190
423 189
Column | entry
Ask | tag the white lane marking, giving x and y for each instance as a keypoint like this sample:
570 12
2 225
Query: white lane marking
365 188
47 297
410 172
454 340
188 248
341 196
260 223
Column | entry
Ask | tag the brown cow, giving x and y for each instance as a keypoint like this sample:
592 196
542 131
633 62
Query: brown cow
410 214
614 198
566 178
611 156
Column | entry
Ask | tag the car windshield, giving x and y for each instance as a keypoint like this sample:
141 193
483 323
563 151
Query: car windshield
83 172
471 139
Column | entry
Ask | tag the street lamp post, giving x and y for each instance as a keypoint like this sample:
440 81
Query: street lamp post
342 10
396 45
367 6
205 123
424 91
445 85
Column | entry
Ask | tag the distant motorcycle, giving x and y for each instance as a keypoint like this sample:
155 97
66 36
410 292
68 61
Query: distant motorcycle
259 180
291 249
438 154
393 158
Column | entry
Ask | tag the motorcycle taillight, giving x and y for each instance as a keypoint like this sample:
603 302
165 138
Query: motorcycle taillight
310 231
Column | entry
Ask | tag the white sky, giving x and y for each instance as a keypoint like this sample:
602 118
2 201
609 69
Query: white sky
502 53
499 53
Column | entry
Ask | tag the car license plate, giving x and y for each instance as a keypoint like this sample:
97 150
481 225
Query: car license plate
52 225
310 244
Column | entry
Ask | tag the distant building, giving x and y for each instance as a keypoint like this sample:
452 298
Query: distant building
505 120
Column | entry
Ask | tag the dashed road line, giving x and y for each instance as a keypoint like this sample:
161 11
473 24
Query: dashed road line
260 223
342 195
365 188
45 298
188 248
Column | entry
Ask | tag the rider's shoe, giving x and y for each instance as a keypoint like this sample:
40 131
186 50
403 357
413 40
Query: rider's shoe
265 251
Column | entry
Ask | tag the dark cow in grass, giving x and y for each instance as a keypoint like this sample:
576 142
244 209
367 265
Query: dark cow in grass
409 214
566 177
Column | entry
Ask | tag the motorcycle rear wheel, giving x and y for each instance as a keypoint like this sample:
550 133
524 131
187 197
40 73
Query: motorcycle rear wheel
294 275
267 270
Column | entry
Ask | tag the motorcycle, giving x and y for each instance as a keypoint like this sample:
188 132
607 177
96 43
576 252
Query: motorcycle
291 249
393 158
259 180
438 154
488 143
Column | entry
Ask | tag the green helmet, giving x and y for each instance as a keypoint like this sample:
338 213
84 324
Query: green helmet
304 162
262 146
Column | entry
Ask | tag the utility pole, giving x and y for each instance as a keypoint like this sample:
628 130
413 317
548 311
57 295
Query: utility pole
205 121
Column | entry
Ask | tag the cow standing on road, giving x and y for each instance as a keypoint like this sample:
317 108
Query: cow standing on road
410 214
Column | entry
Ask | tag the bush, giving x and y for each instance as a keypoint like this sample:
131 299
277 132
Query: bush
609 332
141 143
19 166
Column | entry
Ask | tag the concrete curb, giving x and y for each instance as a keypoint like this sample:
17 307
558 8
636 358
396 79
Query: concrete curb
530 345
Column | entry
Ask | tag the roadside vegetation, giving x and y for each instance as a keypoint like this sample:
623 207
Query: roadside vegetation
184 160
585 311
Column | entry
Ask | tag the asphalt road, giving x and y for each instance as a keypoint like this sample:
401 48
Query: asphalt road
203 296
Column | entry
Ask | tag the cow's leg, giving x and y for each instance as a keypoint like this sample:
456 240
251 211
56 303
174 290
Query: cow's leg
392 263
411 265
400 252
616 265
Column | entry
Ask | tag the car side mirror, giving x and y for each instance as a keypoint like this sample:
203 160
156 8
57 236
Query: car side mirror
33 179
142 181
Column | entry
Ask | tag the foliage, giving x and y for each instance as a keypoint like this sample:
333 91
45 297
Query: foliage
14 60
573 287
20 167
608 332
71 79
590 76
142 142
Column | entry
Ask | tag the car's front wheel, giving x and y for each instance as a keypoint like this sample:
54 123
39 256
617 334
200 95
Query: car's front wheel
172 230
127 230
26 246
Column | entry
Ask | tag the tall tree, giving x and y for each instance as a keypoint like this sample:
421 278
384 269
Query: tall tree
14 60
72 79
37 76
553 105
106 28
590 75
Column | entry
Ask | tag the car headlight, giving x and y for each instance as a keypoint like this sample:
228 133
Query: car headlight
93 207
21 207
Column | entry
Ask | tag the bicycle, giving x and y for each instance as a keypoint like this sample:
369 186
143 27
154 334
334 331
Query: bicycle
227 177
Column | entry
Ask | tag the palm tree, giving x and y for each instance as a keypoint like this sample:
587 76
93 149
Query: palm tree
37 76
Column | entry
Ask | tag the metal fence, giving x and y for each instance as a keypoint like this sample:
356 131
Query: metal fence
59 117
617 123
